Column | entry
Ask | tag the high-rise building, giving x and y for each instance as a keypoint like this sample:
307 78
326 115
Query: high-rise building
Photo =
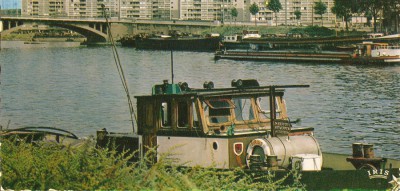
209 10
307 16
70 8
43 7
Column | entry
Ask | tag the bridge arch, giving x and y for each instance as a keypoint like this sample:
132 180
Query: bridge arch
94 31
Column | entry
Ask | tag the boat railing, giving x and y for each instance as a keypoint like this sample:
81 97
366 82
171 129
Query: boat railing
393 47
386 47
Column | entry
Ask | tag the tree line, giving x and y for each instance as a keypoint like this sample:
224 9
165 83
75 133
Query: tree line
387 10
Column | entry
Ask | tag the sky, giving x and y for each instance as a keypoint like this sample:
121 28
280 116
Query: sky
10 4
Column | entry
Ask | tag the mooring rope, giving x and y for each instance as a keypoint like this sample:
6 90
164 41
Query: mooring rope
120 70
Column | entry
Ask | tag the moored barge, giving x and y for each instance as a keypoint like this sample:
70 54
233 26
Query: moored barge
366 53
180 43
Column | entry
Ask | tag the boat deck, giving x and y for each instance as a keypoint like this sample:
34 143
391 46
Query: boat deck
294 56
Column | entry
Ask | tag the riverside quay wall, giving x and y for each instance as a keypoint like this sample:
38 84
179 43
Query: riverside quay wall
96 29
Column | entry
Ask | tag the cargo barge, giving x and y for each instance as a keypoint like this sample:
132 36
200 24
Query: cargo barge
201 44
365 53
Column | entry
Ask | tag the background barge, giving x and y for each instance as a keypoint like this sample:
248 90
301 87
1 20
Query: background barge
366 53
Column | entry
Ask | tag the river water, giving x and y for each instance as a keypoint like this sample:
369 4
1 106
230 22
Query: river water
78 89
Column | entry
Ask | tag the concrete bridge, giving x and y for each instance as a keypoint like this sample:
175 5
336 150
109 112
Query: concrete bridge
96 29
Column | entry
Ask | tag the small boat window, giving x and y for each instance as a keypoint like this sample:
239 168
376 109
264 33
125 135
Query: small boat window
195 119
183 114
166 114
264 108
243 109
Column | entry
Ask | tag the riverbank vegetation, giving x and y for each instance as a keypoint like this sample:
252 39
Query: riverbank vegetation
14 36
43 166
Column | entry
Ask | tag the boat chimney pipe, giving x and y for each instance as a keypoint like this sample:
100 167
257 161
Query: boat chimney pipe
172 66
272 109
358 150
368 151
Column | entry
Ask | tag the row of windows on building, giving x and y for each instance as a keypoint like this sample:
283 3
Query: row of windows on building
178 10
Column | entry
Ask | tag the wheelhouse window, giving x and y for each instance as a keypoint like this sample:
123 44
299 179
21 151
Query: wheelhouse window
183 114
195 118
187 115
218 110
166 114
178 113
243 109
264 108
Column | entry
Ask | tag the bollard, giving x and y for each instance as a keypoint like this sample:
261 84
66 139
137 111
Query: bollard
101 137
358 150
272 162
255 162
369 151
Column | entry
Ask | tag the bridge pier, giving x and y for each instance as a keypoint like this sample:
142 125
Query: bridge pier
102 27
10 24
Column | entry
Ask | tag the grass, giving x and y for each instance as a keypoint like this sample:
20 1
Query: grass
13 36
44 166
230 30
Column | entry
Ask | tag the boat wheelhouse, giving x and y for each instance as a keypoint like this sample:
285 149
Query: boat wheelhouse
384 51
251 34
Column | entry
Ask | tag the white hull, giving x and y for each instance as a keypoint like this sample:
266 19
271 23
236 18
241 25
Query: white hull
193 151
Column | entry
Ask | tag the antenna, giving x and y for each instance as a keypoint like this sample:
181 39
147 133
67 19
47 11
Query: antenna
1 24
120 70
172 66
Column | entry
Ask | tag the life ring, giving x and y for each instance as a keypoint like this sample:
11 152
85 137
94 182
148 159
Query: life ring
257 143
367 167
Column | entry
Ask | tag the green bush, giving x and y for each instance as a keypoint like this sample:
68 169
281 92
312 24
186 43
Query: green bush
231 30
44 166
314 31
311 31
13 36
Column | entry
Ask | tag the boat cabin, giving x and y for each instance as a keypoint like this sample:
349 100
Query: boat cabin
374 35
377 50
232 38
251 34
215 125
242 109
178 109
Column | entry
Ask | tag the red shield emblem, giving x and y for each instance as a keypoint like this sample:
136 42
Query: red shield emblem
238 148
